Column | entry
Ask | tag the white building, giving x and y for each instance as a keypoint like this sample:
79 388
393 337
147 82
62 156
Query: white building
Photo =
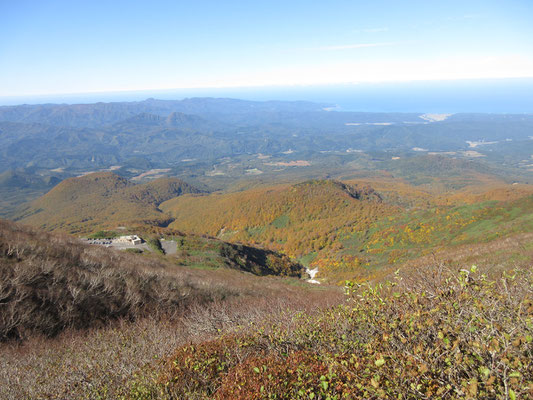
129 239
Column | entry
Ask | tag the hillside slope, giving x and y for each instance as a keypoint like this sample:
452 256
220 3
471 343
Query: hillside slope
296 219
349 236
434 335
51 282
102 200
346 230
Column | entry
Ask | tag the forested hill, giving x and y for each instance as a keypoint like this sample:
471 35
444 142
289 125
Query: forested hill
102 200
298 219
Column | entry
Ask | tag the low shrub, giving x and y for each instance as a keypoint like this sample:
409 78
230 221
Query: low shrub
155 244
49 283
450 335
133 250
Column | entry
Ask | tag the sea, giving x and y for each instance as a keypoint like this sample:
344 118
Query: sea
514 96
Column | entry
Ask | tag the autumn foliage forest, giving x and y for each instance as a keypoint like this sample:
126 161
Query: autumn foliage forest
425 291
351 230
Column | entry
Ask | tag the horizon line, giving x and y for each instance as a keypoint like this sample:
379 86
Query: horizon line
251 87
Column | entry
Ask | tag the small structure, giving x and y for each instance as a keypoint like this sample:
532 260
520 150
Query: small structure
129 239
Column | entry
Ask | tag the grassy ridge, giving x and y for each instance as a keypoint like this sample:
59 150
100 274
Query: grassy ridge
409 235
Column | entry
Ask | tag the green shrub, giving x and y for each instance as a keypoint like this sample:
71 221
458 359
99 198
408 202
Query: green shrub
133 250
103 235
155 244
448 336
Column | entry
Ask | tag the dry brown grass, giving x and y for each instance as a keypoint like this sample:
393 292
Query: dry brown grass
94 318
104 363
84 365
49 283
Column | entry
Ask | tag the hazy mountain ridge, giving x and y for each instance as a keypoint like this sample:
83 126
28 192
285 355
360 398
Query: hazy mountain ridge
90 137
21 179
99 114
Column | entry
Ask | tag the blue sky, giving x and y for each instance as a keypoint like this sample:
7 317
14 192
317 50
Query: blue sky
73 46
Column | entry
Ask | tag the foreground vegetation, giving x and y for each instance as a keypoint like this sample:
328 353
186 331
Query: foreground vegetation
110 362
438 335
433 333
49 283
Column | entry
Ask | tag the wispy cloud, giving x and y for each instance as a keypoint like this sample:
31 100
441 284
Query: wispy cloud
355 46
465 16
375 30
372 30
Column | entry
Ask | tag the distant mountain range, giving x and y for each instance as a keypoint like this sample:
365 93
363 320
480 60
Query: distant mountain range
99 114
163 132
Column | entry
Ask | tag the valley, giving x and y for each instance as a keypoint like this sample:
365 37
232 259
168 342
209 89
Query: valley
250 221
351 229
379 191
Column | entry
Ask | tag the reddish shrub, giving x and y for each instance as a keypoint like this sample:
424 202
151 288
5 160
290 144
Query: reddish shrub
200 368
271 376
